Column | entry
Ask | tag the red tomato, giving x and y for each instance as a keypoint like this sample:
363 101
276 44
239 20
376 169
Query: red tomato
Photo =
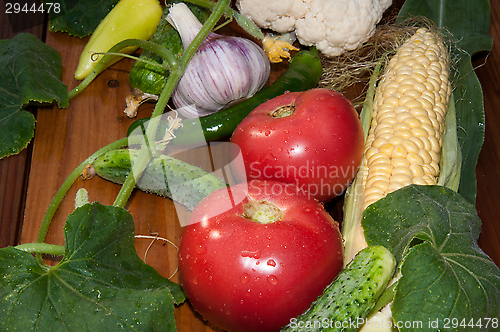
245 275
313 139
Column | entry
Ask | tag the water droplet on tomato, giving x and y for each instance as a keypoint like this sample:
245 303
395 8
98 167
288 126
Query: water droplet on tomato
271 262
251 254
272 279
244 278
195 280
267 132
201 249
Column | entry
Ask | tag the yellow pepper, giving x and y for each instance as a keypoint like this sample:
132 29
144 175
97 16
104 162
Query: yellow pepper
128 19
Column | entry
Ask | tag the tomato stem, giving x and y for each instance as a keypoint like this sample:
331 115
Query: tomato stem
261 211
283 111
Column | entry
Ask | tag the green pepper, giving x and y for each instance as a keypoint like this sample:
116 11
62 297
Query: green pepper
129 19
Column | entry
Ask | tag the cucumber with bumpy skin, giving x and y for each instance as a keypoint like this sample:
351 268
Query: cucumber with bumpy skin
165 176
347 301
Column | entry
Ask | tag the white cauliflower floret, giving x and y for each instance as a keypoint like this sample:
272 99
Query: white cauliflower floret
333 26
277 15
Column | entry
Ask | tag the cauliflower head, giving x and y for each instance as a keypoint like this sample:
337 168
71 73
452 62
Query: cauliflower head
333 26
336 26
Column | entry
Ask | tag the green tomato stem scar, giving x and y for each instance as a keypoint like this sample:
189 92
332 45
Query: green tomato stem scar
261 211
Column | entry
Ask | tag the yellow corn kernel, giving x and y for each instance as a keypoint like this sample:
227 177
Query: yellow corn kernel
379 142
399 152
401 178
417 171
399 162
415 159
402 171
387 149
426 156
410 146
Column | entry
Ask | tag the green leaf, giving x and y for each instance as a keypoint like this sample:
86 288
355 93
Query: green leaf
99 285
433 232
248 25
30 74
80 17
467 24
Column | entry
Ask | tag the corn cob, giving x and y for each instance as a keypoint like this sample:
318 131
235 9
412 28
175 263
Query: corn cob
403 144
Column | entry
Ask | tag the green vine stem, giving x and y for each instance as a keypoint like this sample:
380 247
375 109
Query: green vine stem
42 248
175 75
171 60
245 23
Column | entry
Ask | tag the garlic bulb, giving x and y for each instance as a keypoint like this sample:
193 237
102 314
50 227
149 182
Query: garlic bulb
224 68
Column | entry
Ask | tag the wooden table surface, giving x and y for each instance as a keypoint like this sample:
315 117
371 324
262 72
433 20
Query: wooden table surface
65 137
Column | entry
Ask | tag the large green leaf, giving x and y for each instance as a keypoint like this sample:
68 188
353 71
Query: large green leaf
446 277
100 284
80 17
466 23
30 74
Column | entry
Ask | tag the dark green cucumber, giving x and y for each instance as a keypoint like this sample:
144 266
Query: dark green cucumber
165 176
348 300
303 73
149 78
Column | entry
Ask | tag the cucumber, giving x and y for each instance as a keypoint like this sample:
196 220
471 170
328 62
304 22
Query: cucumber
151 79
165 176
347 301
303 73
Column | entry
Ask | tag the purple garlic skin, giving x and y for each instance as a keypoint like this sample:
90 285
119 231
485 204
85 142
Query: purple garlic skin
223 70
